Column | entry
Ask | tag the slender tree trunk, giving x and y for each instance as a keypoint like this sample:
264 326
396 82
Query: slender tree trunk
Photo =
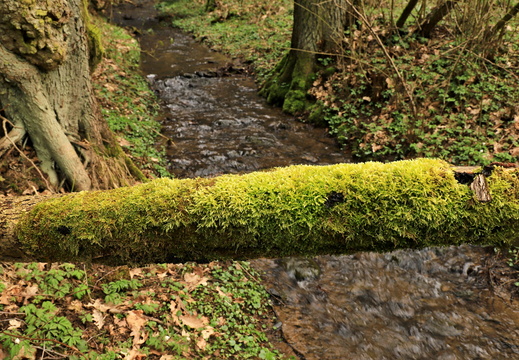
45 89
491 34
210 5
405 14
436 15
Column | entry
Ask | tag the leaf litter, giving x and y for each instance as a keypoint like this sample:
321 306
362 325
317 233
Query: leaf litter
164 311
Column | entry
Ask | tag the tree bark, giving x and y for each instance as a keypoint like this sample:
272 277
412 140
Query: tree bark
45 89
490 35
318 31
299 210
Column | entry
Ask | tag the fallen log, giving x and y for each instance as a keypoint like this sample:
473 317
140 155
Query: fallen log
287 211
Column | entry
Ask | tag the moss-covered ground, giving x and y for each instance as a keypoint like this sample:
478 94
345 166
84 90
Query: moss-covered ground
389 94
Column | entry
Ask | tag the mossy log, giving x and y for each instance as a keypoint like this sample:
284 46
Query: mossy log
287 211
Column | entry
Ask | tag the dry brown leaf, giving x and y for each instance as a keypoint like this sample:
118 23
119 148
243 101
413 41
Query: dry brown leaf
110 87
30 291
135 354
221 293
14 324
121 323
207 332
114 309
201 343
193 280
515 152
136 321
75 305
166 357
136 271
124 142
194 321
99 318
174 310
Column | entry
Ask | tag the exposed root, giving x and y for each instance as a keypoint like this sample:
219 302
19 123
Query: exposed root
16 134
13 141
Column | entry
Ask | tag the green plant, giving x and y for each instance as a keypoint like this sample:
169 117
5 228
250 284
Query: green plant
127 103
59 281
114 289
237 297
513 259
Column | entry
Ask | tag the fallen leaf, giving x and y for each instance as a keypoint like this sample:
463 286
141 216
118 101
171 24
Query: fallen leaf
14 324
166 357
114 309
193 280
30 291
99 318
135 354
123 142
75 305
194 321
136 271
201 343
207 332
136 321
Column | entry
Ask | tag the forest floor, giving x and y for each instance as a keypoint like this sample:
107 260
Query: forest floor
163 311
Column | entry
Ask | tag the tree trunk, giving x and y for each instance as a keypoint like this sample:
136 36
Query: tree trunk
210 5
405 14
318 31
436 15
298 210
493 34
45 91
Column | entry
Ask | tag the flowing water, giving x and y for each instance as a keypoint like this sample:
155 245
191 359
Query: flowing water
426 304
420 304
215 119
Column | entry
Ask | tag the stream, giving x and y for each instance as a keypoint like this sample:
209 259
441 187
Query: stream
216 121
419 304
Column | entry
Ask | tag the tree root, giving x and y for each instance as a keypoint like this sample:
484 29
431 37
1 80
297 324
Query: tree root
15 135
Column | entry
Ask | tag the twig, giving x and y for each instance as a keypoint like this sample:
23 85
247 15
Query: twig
38 339
49 187
163 136
389 58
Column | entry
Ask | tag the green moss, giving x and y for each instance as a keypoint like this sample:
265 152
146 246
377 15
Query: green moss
288 85
287 211
35 32
295 102
316 114
95 46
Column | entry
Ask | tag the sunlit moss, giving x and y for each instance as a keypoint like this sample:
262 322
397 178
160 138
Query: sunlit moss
294 210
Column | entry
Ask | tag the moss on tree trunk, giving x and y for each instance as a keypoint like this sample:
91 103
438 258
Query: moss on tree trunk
46 53
318 31
287 211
